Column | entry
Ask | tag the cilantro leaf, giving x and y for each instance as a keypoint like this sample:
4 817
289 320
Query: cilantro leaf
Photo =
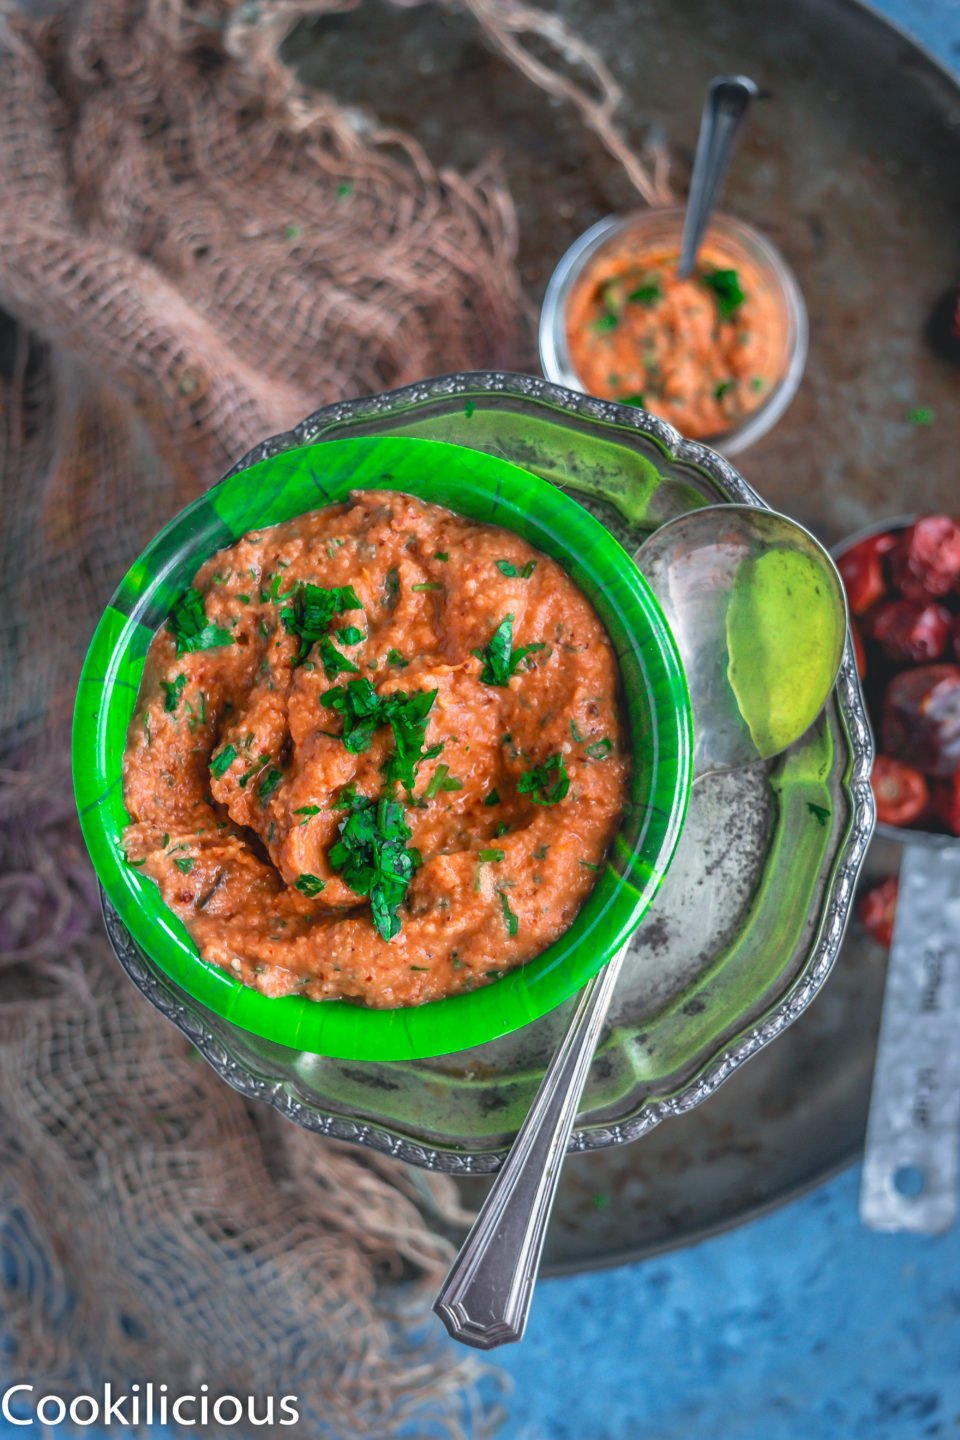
646 294
511 920
512 572
539 784
307 811
310 611
190 627
334 661
185 864
362 711
269 782
600 749
492 799
491 856
173 689
309 884
727 290
372 857
395 658
500 660
221 762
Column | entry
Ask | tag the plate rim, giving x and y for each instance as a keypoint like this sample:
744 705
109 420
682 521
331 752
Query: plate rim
838 894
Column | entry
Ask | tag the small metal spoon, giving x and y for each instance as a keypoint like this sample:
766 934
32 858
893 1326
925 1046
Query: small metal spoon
761 641
728 97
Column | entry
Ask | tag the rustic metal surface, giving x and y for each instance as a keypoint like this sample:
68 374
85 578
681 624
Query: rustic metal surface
852 170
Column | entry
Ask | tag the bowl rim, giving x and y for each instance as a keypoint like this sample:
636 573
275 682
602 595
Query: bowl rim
555 359
524 994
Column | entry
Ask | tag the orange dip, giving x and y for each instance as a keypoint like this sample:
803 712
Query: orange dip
702 353
386 788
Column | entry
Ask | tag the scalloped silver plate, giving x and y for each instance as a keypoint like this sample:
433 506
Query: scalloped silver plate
748 923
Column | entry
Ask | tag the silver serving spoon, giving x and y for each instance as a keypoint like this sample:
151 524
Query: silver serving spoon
728 97
759 615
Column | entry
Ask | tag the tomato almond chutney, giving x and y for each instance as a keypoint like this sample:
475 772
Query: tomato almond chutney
378 754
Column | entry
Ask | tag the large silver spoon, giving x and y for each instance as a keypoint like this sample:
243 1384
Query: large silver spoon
758 612
727 101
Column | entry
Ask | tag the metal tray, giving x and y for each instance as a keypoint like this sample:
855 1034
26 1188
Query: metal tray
852 168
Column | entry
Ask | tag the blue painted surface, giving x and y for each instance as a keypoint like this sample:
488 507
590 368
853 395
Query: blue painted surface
801 1326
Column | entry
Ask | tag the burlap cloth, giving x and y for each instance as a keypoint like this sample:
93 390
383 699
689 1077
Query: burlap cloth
195 253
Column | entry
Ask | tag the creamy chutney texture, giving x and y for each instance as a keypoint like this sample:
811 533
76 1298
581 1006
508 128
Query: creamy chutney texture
703 352
377 754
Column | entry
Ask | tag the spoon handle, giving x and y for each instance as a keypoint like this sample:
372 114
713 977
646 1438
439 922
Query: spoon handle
728 97
485 1299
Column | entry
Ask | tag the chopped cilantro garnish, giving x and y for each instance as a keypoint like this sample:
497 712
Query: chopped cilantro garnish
307 811
922 415
184 864
606 322
491 857
221 762
507 567
309 614
600 749
541 852
441 555
820 811
576 733
408 717
589 865
757 383
646 294
254 769
391 587
349 635
492 799
244 599
309 884
540 785
395 658
334 661
502 829
173 689
727 290
364 711
372 857
722 387
190 627
511 921
271 779
428 585
638 400
361 708
500 660
134 864
436 781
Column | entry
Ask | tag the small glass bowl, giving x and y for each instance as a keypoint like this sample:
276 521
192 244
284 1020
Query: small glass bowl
746 248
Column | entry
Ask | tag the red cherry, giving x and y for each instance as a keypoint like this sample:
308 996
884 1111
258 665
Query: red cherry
925 562
921 719
877 910
945 800
861 568
901 792
910 632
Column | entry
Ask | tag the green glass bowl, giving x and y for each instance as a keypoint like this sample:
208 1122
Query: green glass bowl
482 487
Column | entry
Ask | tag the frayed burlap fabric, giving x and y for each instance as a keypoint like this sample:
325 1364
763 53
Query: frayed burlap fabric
194 254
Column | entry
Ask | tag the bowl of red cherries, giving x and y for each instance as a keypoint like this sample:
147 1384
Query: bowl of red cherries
902 580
